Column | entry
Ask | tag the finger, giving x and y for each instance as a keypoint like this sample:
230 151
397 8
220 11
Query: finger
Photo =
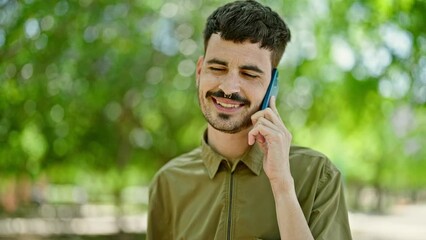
271 130
274 106
267 123
273 103
262 130
267 113
260 139
253 136
258 135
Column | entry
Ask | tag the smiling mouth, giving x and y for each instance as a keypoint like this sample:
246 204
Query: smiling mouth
226 103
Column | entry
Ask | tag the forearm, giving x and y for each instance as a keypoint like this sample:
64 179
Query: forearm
291 221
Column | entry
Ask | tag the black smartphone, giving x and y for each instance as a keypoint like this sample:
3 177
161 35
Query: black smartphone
272 89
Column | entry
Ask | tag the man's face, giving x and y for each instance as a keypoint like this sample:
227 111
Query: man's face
232 79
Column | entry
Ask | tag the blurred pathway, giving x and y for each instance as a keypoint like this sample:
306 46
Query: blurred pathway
405 222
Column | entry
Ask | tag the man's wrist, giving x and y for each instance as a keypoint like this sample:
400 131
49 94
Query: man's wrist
282 186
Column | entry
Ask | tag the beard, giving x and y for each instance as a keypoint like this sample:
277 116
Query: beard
223 122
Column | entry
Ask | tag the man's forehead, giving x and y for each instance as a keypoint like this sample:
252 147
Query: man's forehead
246 53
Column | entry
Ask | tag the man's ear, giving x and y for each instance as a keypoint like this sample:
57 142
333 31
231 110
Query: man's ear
198 71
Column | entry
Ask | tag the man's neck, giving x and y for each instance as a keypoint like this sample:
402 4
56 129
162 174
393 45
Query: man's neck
231 146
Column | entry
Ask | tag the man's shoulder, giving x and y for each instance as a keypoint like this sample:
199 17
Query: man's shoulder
304 157
186 160
305 152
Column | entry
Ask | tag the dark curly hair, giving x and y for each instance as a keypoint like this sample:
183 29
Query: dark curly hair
249 20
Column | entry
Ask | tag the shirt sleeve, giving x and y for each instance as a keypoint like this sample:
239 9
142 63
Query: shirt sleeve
158 221
329 217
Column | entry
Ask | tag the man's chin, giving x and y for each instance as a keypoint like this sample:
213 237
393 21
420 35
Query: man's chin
224 116
231 129
228 123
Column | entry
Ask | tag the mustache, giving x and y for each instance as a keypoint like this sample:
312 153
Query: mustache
234 96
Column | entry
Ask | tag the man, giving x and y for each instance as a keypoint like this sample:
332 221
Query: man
245 181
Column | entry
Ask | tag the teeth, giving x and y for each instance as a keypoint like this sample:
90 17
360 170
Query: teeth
228 105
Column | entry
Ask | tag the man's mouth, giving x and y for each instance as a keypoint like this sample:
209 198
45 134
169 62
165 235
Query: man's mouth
227 103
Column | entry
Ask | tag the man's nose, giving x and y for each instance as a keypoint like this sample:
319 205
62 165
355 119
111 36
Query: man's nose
230 84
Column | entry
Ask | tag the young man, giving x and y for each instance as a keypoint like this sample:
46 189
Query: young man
245 181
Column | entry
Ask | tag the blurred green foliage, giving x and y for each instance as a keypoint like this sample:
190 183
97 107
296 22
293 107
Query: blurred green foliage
101 93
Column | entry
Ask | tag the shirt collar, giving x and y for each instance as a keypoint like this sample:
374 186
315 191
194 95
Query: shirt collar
253 158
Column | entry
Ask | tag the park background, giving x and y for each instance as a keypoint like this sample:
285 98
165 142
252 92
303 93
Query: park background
95 96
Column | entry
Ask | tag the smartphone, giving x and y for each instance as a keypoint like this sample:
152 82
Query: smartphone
272 89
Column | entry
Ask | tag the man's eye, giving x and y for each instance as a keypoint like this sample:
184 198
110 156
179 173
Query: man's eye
216 69
249 75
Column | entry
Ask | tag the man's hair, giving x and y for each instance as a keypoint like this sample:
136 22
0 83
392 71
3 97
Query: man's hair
249 20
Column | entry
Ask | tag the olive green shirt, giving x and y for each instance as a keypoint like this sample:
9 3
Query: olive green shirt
200 195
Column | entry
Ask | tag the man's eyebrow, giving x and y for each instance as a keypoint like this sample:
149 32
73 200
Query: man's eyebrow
252 68
217 61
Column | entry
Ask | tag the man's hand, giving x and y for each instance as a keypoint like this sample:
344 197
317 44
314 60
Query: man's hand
273 137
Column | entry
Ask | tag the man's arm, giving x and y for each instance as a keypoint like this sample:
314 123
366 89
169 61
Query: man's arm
274 139
290 218
158 223
328 218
